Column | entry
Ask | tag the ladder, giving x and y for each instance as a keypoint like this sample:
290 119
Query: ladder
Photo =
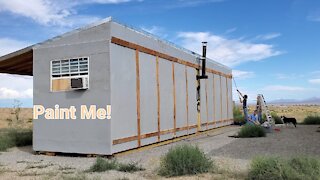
265 109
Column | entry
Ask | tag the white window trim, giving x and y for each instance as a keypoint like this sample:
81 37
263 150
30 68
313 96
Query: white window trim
69 77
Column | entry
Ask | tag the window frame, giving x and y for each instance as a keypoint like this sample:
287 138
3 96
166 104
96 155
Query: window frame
69 76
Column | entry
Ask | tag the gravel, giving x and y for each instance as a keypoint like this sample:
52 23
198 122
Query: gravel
230 154
289 141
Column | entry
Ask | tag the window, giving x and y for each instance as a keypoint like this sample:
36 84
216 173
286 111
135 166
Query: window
70 67
65 72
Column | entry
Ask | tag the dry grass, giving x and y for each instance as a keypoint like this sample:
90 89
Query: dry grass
25 116
298 111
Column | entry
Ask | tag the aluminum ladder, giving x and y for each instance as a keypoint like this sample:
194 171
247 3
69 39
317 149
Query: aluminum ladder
265 109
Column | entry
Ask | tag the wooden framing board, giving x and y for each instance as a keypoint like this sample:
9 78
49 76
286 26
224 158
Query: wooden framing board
174 101
221 97
168 131
134 46
214 100
158 95
138 97
227 97
187 97
206 91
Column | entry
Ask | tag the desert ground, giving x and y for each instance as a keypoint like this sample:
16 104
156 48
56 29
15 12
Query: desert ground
232 156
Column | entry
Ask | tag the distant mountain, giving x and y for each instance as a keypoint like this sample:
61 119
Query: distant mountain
312 100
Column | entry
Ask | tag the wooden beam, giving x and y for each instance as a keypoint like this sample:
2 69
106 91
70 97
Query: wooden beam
29 64
134 46
23 58
138 97
227 97
158 96
206 90
214 100
174 101
187 97
220 99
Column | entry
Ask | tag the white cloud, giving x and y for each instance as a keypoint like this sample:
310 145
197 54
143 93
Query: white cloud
314 16
52 12
228 31
242 74
268 36
8 45
230 52
284 88
6 93
156 30
21 88
314 81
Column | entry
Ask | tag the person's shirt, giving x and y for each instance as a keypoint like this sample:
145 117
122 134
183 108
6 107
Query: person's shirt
252 119
244 103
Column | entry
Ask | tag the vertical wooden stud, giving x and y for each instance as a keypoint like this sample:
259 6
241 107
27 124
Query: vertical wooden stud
158 95
138 97
174 101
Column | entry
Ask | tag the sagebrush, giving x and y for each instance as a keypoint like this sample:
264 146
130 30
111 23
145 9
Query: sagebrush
249 131
184 159
276 168
102 165
312 119
15 137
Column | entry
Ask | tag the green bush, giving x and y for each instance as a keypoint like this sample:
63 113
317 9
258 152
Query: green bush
249 131
102 165
238 117
183 160
313 119
277 119
299 168
131 167
15 137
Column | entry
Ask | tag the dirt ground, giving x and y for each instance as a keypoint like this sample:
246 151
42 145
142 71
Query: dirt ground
231 156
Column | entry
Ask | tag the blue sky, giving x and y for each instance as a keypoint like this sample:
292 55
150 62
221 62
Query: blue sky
272 46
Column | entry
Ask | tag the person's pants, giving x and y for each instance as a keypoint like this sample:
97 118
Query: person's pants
245 112
260 118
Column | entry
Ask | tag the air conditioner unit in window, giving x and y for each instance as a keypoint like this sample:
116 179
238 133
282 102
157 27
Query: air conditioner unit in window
80 83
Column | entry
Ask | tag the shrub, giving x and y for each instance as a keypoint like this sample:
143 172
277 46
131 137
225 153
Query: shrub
277 119
183 160
15 137
131 167
102 165
238 117
249 131
299 168
313 119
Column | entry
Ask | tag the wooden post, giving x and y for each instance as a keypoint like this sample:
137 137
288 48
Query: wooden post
158 95
138 97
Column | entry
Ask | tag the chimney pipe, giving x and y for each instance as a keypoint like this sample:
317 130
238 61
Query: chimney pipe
203 58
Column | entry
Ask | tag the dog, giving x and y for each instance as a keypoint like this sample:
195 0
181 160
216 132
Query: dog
289 120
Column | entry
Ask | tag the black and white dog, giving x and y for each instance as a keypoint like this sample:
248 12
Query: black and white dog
289 120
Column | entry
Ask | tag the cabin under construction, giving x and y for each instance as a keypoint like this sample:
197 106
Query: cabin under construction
154 88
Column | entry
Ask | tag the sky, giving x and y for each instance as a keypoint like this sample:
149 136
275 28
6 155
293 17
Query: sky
272 46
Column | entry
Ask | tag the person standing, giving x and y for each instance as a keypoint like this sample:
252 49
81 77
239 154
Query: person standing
243 100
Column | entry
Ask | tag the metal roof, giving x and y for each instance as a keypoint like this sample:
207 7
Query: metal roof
21 62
